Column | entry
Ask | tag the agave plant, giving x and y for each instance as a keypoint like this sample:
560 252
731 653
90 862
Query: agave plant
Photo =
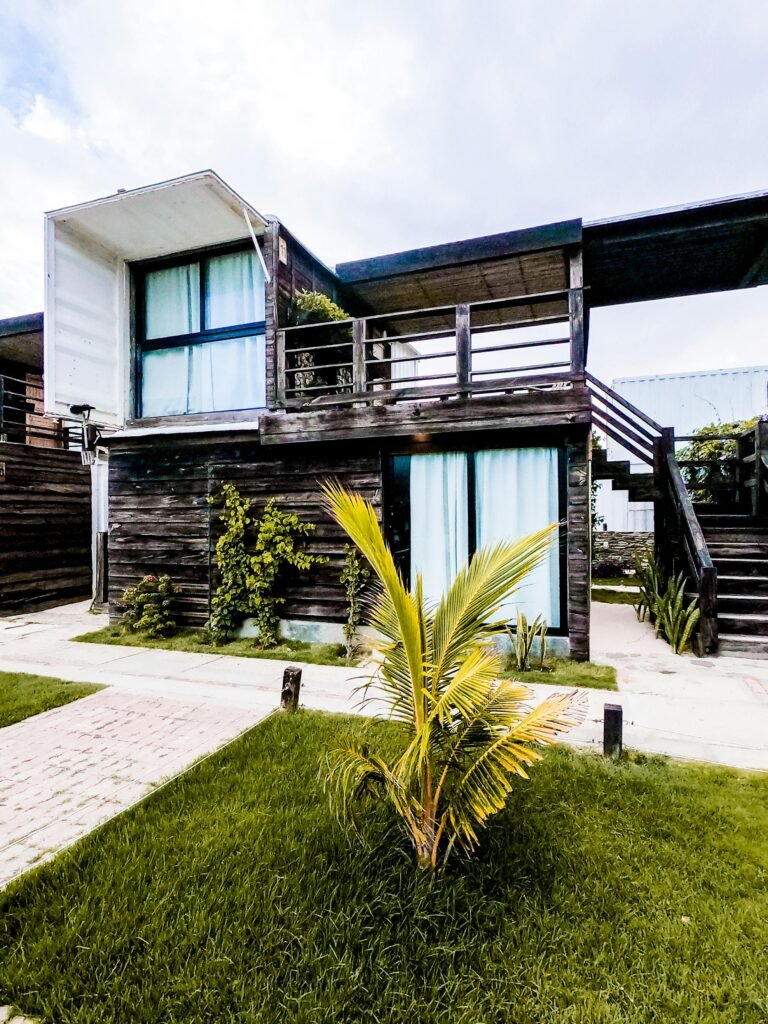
524 638
467 734
676 619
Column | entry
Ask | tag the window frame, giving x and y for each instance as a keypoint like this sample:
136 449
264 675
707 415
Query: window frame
142 344
397 504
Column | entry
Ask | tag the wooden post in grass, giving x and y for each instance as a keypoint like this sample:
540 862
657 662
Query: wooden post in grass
612 730
289 698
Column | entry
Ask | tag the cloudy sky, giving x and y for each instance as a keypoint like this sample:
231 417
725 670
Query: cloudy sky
372 127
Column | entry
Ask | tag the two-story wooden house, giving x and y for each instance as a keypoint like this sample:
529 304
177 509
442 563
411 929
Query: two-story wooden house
456 397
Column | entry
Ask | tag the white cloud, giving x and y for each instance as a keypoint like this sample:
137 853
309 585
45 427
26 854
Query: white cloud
369 128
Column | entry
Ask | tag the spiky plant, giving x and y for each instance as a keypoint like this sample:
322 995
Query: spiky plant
467 733
676 619
523 639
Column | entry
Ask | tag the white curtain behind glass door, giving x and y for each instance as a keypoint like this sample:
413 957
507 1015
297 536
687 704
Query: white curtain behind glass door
517 493
438 520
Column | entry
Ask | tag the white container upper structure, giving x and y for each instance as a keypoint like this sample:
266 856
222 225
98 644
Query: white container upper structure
685 401
88 250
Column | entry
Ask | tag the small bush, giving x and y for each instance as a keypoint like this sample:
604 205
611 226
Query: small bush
150 607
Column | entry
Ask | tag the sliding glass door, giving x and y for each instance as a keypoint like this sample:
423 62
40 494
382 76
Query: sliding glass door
446 505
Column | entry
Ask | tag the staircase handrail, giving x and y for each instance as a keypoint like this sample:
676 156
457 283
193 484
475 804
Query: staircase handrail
620 400
700 562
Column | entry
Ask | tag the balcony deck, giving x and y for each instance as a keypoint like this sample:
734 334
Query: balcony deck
492 364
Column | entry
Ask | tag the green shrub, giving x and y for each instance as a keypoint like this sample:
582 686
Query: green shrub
315 308
250 575
150 606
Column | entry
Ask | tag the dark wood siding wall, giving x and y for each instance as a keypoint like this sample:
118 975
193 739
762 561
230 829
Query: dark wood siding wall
161 521
45 527
579 540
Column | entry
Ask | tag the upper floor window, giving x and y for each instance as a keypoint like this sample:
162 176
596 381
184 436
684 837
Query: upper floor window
201 335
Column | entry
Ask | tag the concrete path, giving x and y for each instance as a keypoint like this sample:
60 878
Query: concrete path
67 770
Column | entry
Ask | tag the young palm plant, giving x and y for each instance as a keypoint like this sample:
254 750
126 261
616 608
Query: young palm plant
468 734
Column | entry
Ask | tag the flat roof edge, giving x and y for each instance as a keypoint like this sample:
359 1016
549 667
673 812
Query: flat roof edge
27 323
507 243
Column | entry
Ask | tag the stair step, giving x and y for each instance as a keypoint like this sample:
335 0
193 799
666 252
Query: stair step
735 519
735 566
727 585
737 604
729 549
743 623
736 645
733 535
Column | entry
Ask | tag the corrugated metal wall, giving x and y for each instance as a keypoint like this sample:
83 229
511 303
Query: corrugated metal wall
685 401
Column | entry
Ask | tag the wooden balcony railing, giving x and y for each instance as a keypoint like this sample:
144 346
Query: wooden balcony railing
22 420
434 352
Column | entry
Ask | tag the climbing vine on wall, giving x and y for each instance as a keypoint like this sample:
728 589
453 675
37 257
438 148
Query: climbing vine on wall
354 578
251 556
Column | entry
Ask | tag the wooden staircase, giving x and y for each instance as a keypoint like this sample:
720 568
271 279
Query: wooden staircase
639 486
723 548
738 546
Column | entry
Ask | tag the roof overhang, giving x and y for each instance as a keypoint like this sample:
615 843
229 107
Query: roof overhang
192 212
21 339
489 267
713 246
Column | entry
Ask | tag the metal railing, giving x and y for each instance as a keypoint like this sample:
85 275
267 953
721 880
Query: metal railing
23 421
433 352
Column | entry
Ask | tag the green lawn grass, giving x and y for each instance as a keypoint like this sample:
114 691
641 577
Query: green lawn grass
564 672
631 892
615 596
197 641
616 581
23 695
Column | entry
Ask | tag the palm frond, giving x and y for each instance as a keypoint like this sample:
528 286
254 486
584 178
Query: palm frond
478 592
358 518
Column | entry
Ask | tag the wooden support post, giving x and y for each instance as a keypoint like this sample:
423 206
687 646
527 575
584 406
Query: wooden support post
359 369
280 374
612 730
760 489
101 578
663 521
576 313
463 346
289 698
708 634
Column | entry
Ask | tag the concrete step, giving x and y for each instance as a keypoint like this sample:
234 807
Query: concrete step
743 624
727 585
736 645
740 566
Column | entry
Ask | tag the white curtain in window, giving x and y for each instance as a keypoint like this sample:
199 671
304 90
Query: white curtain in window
438 520
214 376
164 375
234 290
172 301
227 375
517 493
